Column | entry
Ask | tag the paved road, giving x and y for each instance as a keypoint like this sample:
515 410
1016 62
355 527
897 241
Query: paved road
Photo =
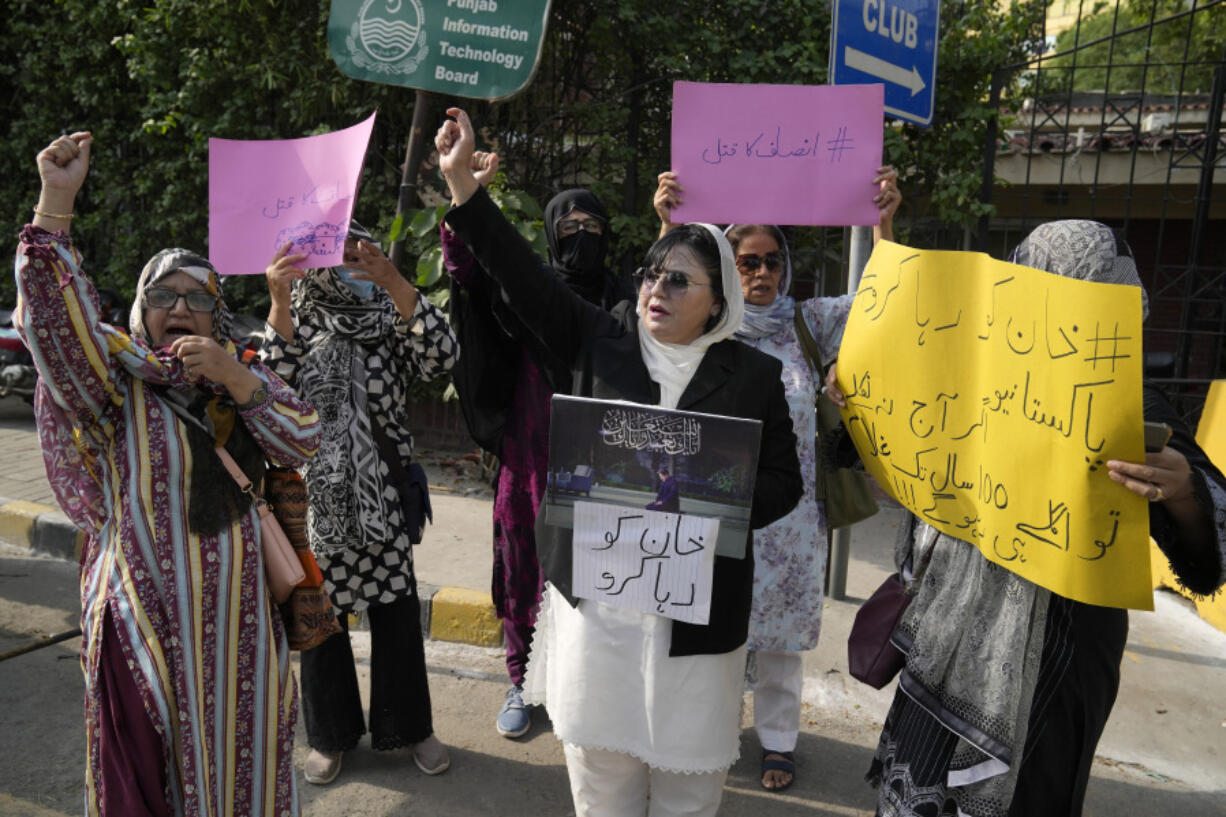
1164 751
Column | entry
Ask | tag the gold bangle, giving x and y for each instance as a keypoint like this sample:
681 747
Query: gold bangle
38 212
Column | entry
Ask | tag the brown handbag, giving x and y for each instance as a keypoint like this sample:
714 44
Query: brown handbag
308 615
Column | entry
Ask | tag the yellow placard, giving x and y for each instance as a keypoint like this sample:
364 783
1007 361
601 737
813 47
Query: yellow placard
987 398
1211 435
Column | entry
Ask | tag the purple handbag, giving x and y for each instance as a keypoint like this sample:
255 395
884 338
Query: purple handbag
871 657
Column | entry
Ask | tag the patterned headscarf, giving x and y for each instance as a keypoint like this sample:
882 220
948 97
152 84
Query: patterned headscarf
165 263
209 414
1082 249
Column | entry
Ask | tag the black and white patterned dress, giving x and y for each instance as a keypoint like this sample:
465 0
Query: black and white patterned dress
355 359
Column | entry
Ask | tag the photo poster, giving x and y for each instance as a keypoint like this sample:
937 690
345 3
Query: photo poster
987 398
652 496
266 193
777 154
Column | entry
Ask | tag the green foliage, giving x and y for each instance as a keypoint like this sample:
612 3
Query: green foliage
155 79
1171 57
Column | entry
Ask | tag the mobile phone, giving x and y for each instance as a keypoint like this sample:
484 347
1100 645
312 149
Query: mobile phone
1157 435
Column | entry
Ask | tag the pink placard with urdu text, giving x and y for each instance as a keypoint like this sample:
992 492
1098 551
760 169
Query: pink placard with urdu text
777 154
263 194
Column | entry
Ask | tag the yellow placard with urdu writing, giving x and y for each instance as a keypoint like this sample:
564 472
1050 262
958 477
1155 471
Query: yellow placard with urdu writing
988 397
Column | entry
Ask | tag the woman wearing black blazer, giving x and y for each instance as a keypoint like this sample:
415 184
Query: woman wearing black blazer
642 704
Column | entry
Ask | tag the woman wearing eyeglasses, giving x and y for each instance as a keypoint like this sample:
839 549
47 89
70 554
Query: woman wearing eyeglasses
189 702
648 709
790 555
505 379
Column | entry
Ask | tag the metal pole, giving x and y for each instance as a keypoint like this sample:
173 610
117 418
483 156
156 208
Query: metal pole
840 539
39 643
989 157
414 153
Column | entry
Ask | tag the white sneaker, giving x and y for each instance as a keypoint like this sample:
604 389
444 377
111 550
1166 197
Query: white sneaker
322 767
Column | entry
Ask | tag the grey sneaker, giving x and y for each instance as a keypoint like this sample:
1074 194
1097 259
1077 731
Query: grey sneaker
515 717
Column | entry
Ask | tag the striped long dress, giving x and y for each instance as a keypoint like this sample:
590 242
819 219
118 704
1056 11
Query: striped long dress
195 622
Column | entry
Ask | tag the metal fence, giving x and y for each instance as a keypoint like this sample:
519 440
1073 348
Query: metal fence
1121 121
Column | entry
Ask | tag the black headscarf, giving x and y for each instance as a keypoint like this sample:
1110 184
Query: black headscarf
578 259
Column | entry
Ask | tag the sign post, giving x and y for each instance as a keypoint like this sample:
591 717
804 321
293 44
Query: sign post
482 49
889 41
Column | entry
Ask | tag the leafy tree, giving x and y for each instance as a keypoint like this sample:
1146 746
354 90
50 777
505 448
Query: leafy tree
1164 52
154 79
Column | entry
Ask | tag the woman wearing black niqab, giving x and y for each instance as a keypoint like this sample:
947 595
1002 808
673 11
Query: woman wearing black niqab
505 379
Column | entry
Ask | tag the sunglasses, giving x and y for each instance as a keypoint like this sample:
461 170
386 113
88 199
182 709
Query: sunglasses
749 263
164 298
570 226
675 281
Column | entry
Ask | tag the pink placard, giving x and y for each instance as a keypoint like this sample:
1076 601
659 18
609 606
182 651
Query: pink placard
265 193
777 154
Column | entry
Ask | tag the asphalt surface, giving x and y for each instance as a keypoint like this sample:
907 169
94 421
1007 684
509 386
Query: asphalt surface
1163 753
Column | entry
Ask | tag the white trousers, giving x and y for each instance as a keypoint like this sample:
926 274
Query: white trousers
615 784
779 680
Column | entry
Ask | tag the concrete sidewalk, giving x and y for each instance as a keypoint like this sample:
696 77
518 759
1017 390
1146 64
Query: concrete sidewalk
1167 733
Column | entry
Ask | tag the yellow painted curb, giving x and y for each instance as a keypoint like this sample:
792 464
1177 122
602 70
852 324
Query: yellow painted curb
17 520
466 616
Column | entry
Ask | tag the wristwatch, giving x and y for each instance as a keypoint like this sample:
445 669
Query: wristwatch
258 397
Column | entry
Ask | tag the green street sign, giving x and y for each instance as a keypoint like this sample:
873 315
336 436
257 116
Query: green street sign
483 49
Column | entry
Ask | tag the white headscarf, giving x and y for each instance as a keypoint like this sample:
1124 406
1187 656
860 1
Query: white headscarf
673 365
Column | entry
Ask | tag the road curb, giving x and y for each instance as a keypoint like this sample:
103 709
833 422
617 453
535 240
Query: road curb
454 614
40 529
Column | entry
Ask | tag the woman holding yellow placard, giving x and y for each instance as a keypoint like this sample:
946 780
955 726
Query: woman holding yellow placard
1007 686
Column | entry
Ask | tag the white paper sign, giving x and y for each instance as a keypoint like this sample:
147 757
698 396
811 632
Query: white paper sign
649 561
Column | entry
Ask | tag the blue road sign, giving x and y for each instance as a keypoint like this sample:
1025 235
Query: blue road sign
889 41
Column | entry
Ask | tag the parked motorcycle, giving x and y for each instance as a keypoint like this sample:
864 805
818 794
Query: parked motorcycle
17 374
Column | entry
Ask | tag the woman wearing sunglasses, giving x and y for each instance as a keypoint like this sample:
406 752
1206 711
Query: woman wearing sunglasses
185 659
790 555
648 709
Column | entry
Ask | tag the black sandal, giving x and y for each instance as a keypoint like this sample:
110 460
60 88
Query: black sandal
785 762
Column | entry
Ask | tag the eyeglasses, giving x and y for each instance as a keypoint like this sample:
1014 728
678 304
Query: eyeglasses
164 298
570 226
748 264
675 281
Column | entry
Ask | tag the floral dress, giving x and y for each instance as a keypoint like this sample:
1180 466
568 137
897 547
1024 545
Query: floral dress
790 555
201 636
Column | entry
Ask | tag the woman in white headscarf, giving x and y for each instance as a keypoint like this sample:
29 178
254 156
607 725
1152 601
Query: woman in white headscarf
790 555
1007 686
647 708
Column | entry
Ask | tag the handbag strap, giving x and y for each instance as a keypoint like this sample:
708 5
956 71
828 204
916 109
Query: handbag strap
244 484
808 346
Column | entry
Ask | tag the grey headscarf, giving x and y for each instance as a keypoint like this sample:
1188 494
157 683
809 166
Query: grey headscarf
974 632
1077 248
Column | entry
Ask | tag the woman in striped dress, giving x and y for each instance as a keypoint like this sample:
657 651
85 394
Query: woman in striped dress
189 703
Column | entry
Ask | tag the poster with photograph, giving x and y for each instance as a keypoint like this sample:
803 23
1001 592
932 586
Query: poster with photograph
653 495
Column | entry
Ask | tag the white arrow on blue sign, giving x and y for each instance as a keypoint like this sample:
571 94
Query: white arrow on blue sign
893 42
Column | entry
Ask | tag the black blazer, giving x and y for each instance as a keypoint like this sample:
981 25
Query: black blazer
602 351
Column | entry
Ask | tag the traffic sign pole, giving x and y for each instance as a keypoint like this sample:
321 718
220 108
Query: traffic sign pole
893 42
